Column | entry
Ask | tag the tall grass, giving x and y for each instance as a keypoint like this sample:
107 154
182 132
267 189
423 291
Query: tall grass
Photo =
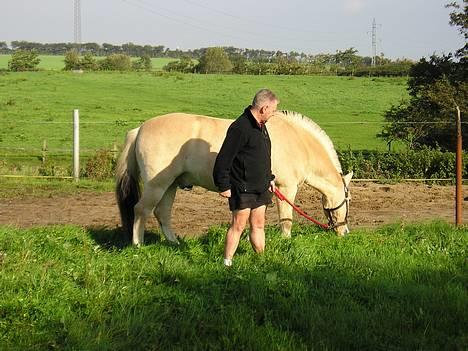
398 288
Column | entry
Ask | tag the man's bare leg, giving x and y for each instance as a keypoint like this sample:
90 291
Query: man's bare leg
257 228
239 220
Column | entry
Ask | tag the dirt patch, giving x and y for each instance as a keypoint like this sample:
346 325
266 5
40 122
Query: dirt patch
195 211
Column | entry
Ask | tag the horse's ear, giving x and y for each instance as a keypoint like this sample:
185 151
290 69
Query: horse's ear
347 178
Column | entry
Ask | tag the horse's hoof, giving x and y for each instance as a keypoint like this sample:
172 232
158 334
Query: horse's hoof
174 242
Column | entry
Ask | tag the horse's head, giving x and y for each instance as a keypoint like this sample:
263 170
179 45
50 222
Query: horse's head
337 210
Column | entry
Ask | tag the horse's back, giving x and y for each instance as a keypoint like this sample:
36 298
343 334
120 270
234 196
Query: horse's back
185 126
180 143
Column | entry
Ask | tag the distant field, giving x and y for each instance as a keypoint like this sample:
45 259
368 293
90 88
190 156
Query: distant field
37 106
56 62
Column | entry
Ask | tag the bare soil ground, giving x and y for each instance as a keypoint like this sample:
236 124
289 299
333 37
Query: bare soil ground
195 211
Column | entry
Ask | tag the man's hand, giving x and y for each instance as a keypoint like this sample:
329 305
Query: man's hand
272 186
226 193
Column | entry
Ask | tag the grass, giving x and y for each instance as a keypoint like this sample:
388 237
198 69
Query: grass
56 63
37 106
398 288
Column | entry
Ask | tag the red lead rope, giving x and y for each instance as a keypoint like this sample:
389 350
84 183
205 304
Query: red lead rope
280 196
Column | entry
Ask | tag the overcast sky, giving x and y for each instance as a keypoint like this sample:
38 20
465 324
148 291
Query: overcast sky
405 28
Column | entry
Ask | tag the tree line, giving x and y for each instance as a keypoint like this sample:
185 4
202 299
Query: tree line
242 61
347 62
158 51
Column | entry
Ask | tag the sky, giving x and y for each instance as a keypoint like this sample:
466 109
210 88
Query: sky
405 28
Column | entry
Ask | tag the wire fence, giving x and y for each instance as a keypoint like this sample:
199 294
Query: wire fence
38 156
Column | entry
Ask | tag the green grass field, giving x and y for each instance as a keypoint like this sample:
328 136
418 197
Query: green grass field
56 63
398 288
38 105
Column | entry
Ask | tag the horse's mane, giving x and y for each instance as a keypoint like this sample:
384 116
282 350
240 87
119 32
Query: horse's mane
312 127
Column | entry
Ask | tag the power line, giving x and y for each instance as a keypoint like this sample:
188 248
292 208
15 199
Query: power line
244 19
214 28
143 6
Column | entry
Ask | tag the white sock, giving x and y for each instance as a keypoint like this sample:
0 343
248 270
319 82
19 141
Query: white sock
227 262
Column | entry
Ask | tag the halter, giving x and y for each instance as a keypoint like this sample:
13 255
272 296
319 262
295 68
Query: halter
328 211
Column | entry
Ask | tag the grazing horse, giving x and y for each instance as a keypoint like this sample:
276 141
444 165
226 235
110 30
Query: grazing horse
179 150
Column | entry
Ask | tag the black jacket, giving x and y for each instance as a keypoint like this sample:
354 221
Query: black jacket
244 161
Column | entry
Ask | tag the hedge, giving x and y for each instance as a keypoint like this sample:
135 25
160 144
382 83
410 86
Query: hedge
425 163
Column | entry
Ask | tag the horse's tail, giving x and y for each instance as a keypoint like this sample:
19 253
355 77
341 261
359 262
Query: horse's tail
127 188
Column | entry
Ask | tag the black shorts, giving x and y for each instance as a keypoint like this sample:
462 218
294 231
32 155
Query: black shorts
240 201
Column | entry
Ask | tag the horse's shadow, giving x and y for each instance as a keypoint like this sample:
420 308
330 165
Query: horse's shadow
115 239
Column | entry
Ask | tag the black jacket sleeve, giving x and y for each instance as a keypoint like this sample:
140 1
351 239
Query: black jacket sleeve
233 142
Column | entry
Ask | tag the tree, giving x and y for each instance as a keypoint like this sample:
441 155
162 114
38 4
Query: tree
347 58
143 63
4 47
72 60
215 60
460 19
88 63
23 60
239 64
436 87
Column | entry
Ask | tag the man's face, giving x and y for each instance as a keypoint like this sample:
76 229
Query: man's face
267 110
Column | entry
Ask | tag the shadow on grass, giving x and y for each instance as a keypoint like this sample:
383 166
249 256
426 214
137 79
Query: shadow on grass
116 239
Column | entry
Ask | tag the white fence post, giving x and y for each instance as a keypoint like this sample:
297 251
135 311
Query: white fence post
76 145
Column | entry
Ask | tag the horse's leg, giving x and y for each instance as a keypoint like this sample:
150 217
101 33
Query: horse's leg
285 210
163 210
149 200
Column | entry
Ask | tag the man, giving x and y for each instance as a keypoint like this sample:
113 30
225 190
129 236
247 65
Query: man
242 173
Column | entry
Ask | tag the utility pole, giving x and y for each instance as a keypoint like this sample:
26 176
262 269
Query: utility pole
77 23
374 42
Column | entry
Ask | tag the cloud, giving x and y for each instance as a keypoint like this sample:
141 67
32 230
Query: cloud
353 6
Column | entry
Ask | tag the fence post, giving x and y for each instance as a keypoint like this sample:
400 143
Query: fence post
114 152
458 191
76 145
44 151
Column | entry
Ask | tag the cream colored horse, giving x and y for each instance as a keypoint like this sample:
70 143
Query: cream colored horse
179 150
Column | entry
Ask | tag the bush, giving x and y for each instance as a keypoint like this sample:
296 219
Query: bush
72 60
53 170
426 163
184 65
23 60
88 63
101 166
142 64
116 62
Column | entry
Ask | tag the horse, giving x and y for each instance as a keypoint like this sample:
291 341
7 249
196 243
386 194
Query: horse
178 150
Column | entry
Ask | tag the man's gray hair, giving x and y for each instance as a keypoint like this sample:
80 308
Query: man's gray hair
262 97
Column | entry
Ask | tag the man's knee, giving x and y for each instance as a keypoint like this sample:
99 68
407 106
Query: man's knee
238 227
257 239
258 245
239 220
